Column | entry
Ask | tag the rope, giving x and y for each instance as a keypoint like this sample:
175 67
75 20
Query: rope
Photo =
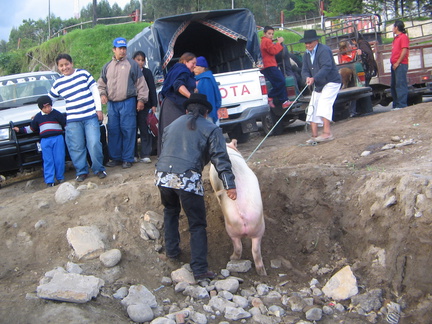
283 115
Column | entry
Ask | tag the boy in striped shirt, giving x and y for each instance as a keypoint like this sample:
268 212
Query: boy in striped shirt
83 113
49 123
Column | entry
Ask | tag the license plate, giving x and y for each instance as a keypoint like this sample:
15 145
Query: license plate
223 113
39 147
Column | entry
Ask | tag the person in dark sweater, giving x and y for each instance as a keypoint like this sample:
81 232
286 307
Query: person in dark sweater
319 70
142 152
50 125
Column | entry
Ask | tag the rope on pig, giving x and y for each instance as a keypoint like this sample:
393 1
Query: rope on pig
283 115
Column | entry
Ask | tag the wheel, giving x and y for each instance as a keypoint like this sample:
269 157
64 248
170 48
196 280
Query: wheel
269 121
238 134
414 100
364 105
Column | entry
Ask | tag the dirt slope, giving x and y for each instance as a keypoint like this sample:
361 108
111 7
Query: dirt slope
325 206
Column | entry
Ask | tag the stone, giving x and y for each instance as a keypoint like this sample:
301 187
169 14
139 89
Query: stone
220 304
66 192
140 313
239 265
236 313
86 241
121 293
183 275
369 301
296 303
163 320
110 258
314 314
230 285
154 218
342 285
148 231
196 292
73 268
139 294
262 289
240 301
166 281
181 286
70 287
275 263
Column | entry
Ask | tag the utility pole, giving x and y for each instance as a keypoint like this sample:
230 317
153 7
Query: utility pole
49 19
94 12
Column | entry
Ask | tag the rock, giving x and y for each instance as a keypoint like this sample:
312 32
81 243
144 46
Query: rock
163 320
327 310
198 318
196 292
296 303
342 285
225 294
240 301
314 314
239 265
139 294
388 147
220 304
183 275
262 319
275 263
121 293
390 202
230 285
40 223
276 311
86 241
262 289
148 231
140 313
181 286
365 153
154 218
236 313
110 258
225 272
395 139
272 298
66 192
368 301
73 268
70 287
166 281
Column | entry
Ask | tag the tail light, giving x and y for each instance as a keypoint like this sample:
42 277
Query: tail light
263 85
291 92
361 76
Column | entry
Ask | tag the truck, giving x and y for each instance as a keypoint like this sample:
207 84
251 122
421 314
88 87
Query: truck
356 96
18 105
228 40
373 30
18 96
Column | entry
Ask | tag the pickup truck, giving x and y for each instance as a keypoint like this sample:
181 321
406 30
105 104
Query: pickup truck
18 95
370 26
228 40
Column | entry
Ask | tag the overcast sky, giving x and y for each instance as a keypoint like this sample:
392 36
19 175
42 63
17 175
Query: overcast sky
13 12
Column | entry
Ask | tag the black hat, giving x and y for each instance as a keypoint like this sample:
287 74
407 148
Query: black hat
198 98
43 100
309 36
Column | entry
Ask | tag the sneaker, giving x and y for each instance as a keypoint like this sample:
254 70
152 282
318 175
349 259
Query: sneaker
271 103
113 163
207 275
286 104
101 174
136 159
126 165
81 178
145 160
50 185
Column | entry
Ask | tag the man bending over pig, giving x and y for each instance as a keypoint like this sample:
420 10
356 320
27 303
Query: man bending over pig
188 144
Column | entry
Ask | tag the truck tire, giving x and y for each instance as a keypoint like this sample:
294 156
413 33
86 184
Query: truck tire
414 100
269 121
238 134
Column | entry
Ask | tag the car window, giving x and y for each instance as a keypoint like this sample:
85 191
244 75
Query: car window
15 92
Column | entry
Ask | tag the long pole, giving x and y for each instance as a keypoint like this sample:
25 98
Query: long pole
283 115
232 4
49 19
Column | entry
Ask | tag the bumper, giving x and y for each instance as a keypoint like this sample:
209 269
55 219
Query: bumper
247 119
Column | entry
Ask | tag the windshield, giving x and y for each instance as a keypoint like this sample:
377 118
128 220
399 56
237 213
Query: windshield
18 91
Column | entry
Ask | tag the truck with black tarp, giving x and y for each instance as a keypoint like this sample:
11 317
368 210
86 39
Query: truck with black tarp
228 40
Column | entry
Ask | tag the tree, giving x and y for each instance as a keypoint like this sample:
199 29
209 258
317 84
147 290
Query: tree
345 7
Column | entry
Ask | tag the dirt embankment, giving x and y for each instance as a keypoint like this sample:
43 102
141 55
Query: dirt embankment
325 205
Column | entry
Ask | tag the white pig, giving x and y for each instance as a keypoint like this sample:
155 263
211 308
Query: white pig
243 216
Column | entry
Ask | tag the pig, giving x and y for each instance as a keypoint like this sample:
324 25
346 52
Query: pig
244 216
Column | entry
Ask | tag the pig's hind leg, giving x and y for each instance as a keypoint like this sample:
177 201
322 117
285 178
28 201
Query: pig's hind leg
238 248
256 253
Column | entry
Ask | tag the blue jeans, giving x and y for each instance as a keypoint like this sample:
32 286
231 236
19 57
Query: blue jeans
83 136
194 208
277 80
399 86
53 154
122 129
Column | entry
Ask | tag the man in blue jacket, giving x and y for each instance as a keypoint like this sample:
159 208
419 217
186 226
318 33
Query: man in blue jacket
319 69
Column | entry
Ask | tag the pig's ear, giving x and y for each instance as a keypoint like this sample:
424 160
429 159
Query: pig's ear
234 142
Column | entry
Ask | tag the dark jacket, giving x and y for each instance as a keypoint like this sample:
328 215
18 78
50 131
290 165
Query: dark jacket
152 98
323 69
184 149
177 76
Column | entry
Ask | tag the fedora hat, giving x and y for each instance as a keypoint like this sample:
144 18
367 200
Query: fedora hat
309 36
198 98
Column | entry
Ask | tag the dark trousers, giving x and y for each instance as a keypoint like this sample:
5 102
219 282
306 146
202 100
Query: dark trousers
143 150
194 208
277 80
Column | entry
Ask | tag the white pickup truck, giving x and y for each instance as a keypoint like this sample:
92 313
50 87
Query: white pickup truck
228 40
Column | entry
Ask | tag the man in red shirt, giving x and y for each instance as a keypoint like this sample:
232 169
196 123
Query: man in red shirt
399 66
271 71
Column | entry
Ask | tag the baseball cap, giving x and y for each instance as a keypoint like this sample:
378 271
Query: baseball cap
43 100
120 42
201 61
